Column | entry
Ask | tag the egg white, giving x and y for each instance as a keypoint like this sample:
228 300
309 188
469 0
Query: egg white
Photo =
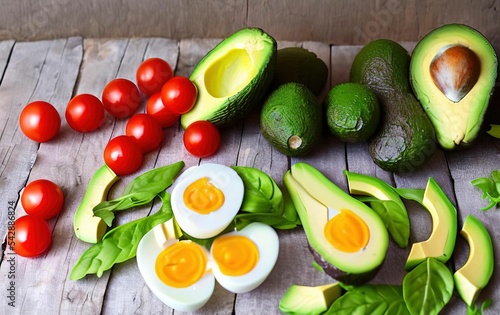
183 299
267 241
207 225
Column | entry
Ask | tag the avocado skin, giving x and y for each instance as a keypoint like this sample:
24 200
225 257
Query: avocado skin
406 138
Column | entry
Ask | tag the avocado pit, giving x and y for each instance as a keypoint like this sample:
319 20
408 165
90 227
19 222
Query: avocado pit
455 70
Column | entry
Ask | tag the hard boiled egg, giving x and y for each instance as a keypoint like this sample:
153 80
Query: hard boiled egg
182 274
206 198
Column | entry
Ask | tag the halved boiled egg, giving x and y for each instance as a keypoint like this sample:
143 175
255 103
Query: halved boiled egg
206 198
182 273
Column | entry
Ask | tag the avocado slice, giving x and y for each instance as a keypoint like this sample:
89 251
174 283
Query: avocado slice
478 269
453 71
233 77
346 237
88 227
441 242
299 299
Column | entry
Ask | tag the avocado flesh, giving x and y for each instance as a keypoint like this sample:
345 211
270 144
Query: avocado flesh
456 123
317 200
88 227
233 77
478 269
303 300
441 242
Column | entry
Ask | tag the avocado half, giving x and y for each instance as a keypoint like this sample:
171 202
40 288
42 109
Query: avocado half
233 78
453 71
346 237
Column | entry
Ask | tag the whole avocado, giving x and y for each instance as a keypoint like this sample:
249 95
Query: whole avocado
406 138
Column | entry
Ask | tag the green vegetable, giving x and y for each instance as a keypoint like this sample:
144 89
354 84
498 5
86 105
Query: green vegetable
263 201
428 287
494 131
474 310
490 186
120 243
140 191
370 299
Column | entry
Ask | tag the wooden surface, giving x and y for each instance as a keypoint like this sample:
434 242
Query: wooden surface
340 22
55 70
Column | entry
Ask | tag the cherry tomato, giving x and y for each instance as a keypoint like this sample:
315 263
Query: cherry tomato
146 130
40 121
42 198
156 109
32 236
121 98
123 155
179 95
152 74
201 138
85 113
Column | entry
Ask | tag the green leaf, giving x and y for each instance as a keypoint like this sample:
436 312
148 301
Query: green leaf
262 194
370 299
490 186
140 191
415 194
474 310
119 244
494 131
428 287
395 218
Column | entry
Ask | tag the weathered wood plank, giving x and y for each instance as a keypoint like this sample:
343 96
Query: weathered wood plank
5 49
48 75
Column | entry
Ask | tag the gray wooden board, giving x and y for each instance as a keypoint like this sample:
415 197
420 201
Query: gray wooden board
66 67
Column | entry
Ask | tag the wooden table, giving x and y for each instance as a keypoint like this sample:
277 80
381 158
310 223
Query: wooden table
56 70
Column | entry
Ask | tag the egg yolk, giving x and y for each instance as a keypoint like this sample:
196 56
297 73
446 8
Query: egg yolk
235 255
347 232
181 264
203 197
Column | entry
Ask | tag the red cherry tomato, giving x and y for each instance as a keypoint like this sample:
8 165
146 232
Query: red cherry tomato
146 130
179 95
201 139
85 113
123 155
32 236
40 121
121 98
156 109
42 198
152 74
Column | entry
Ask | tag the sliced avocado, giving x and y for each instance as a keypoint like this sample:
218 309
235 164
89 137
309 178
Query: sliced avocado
478 269
88 227
299 65
366 185
299 299
233 77
347 238
405 139
453 71
441 242
290 119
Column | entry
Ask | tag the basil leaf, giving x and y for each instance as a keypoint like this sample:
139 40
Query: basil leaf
262 194
490 186
119 244
140 191
428 287
395 218
370 299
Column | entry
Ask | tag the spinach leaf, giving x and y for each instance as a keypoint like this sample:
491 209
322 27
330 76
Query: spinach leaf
428 287
119 244
140 191
474 310
415 194
490 186
395 218
370 299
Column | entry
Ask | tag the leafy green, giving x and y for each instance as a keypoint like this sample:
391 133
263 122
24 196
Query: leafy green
140 191
428 287
474 310
119 244
494 131
490 186
415 194
370 299
263 201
